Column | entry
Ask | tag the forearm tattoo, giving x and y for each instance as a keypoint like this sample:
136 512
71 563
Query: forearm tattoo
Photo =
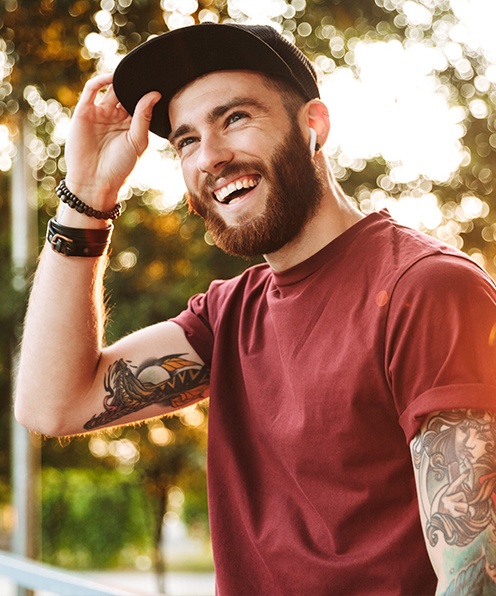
170 381
455 461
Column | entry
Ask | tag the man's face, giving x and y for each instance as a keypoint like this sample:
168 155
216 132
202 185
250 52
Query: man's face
246 165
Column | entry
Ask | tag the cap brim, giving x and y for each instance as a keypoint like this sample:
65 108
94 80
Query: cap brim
170 61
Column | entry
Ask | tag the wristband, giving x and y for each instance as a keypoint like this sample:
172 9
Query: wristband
70 199
76 242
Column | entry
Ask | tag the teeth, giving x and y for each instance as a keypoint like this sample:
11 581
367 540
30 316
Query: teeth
222 194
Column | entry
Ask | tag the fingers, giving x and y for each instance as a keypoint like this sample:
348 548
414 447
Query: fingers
460 507
93 87
455 505
453 487
454 501
140 124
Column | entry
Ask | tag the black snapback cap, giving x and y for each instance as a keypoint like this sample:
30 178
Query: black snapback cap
170 61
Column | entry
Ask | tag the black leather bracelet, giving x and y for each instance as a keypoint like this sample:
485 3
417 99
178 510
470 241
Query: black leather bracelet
70 199
77 242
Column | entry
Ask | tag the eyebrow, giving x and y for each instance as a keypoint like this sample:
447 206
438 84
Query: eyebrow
217 113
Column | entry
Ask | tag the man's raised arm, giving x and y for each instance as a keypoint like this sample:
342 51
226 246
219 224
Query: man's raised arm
67 381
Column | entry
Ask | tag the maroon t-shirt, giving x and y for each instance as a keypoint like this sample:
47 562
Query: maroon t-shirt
320 377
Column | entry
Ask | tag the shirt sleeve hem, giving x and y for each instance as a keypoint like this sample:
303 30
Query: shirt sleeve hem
475 396
197 334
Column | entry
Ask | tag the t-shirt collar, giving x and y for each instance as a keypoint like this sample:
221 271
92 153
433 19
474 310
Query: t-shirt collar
328 253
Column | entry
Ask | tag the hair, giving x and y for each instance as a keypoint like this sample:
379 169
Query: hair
293 98
438 443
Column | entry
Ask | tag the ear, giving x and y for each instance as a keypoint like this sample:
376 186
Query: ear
315 115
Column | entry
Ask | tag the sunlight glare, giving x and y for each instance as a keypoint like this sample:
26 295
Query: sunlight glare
258 10
389 105
477 24
7 149
395 109
419 212
159 171
417 13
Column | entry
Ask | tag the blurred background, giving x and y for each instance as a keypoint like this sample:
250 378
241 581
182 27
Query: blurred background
411 90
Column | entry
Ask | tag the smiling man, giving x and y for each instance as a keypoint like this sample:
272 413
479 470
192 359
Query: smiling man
357 338
261 153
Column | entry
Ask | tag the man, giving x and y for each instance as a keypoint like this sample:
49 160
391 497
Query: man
356 338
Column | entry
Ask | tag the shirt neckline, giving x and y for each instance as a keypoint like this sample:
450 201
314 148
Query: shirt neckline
326 254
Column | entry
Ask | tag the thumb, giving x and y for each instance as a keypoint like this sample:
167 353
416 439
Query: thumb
140 123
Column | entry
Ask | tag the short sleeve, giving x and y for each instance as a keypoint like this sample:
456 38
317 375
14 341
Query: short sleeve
195 322
441 339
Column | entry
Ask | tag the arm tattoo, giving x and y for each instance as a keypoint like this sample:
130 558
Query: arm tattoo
455 459
170 381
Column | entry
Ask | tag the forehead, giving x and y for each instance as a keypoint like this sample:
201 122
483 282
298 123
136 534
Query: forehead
216 87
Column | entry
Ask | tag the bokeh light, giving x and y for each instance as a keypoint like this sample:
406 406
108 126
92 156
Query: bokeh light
394 108
476 25
389 98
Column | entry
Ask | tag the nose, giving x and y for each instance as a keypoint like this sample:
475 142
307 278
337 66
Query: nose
471 441
214 154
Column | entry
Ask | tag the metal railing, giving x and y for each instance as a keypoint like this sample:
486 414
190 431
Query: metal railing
39 576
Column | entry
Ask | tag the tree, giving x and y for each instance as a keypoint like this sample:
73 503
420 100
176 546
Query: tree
330 30
80 509
46 63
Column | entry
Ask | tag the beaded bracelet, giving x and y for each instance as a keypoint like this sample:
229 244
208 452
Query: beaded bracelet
70 199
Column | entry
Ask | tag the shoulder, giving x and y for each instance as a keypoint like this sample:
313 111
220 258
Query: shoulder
228 295
446 293
398 254
248 281
441 318
444 274
413 260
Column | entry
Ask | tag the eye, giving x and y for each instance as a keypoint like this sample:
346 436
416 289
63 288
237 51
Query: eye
236 117
184 142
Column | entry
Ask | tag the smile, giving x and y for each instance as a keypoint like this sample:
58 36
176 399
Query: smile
236 189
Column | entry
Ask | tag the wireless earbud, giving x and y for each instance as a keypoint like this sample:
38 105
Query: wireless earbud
313 141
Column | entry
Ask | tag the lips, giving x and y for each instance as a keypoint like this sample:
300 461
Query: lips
235 189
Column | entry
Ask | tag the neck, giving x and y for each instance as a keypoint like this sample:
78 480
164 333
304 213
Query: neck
334 216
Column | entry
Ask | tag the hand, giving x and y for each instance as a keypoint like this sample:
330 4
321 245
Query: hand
105 142
453 500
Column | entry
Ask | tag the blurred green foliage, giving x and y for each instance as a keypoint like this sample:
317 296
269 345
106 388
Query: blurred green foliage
160 257
93 518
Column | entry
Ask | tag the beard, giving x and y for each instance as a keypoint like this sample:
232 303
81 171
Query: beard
295 190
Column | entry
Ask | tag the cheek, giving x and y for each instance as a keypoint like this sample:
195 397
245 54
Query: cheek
481 447
460 439
259 145
253 140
